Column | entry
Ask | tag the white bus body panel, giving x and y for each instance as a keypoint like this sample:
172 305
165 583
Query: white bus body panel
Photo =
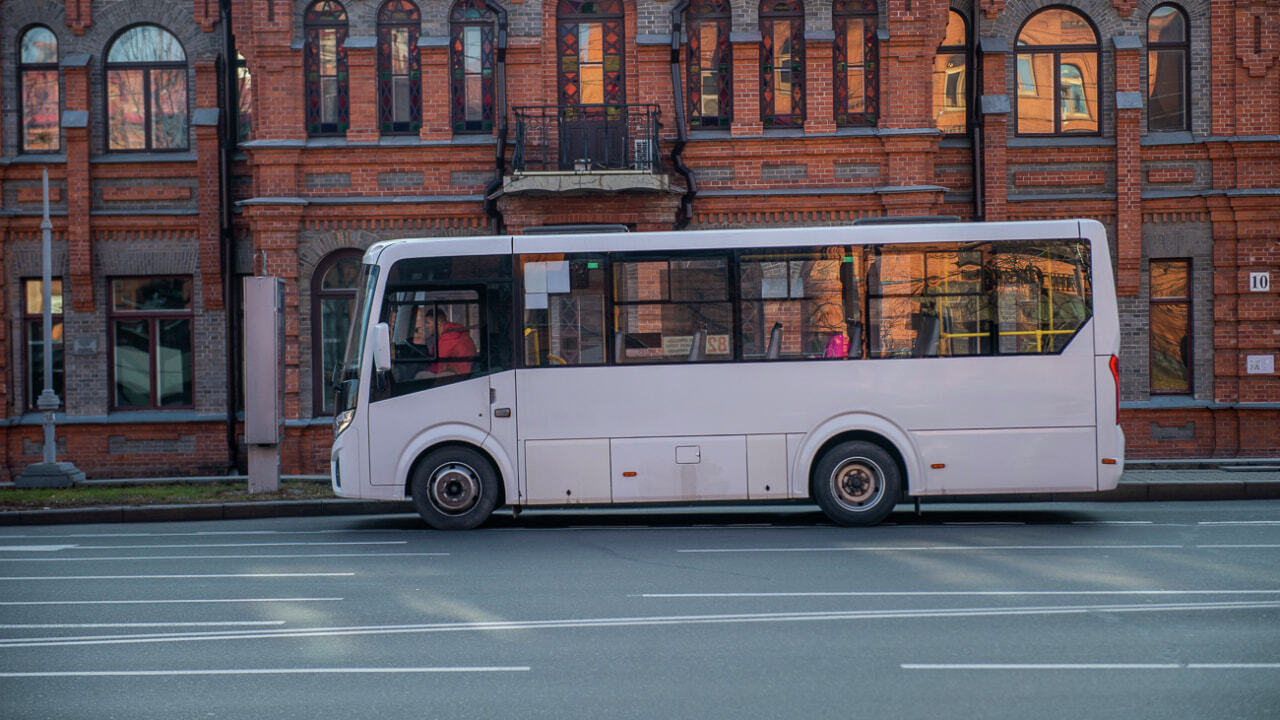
679 468
567 471
1106 333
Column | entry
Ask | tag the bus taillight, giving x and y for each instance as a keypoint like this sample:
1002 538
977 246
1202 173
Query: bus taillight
1115 375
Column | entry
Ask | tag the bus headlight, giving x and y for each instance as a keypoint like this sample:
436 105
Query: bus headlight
342 420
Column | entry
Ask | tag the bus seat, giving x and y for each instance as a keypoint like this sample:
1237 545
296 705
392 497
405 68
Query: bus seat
927 337
775 342
619 343
698 350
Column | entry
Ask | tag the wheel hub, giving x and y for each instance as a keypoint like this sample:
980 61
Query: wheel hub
856 483
455 488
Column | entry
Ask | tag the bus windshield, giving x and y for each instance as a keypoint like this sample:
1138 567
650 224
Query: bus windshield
347 375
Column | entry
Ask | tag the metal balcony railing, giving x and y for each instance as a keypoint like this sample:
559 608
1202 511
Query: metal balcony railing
583 138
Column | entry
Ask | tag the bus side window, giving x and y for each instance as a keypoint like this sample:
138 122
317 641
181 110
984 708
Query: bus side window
672 307
793 304
437 337
564 310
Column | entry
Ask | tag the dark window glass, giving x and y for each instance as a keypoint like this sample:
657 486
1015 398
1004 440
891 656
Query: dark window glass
564 309
782 100
1170 326
333 294
1058 74
1168 71
146 78
471 63
857 62
672 308
951 78
244 99
151 342
33 320
325 65
709 61
39 93
399 68
437 336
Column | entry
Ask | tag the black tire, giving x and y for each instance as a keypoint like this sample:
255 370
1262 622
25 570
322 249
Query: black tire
454 488
856 483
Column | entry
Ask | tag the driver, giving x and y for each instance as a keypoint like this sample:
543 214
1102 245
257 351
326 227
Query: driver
451 340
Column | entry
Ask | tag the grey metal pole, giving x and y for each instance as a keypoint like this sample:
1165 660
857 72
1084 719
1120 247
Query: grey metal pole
48 400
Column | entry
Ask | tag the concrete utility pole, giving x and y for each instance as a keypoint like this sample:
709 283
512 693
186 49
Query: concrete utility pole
50 472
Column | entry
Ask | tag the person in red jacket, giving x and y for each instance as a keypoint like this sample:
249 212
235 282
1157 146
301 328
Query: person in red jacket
452 341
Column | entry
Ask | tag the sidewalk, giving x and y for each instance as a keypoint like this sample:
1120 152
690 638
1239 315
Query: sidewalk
1143 481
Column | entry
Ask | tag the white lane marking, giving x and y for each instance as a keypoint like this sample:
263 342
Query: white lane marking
1041 666
1112 522
225 557
1242 547
1239 522
36 548
650 621
949 593
1090 666
239 545
983 522
206 533
68 626
269 671
173 602
179 577
929 548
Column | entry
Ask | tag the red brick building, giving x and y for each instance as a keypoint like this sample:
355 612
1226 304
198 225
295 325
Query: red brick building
363 120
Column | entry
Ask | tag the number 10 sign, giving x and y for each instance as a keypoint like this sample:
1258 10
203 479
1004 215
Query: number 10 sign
1259 282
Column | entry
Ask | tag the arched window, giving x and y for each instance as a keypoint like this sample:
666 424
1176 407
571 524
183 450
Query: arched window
1058 66
857 51
38 90
782 63
399 69
333 290
244 99
951 78
590 44
471 53
325 26
146 91
1168 69
710 64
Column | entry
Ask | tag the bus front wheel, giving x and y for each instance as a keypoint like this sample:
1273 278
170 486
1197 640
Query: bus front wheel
454 488
856 483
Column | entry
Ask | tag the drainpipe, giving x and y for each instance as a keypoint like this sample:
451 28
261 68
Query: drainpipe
230 299
685 212
500 113
976 120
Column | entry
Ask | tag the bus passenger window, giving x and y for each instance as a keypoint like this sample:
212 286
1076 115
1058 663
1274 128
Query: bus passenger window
563 310
672 309
436 337
793 304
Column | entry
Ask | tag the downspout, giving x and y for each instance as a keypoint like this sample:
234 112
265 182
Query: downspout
976 120
230 299
500 113
685 212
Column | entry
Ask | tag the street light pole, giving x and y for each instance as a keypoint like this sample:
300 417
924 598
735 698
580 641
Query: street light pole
50 472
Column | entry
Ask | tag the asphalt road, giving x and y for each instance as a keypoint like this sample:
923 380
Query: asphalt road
1137 610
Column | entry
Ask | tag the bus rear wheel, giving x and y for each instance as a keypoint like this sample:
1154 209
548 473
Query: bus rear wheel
454 488
856 483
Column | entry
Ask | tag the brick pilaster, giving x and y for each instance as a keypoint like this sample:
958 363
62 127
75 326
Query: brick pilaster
436 103
994 106
362 89
819 111
79 15
746 84
1128 164
75 127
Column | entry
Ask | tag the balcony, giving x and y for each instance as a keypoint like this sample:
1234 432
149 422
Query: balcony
586 148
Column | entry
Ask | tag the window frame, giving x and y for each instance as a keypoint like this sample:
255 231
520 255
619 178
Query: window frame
462 15
40 67
147 69
1184 300
795 18
313 26
1184 47
320 388
965 73
152 318
1057 51
841 12
35 378
698 14
387 123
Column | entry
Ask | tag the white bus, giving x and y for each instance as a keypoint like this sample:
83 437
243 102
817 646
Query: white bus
854 367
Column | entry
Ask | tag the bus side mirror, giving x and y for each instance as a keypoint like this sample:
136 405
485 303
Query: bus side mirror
382 347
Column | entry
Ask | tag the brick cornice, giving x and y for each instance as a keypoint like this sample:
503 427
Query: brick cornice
1257 37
